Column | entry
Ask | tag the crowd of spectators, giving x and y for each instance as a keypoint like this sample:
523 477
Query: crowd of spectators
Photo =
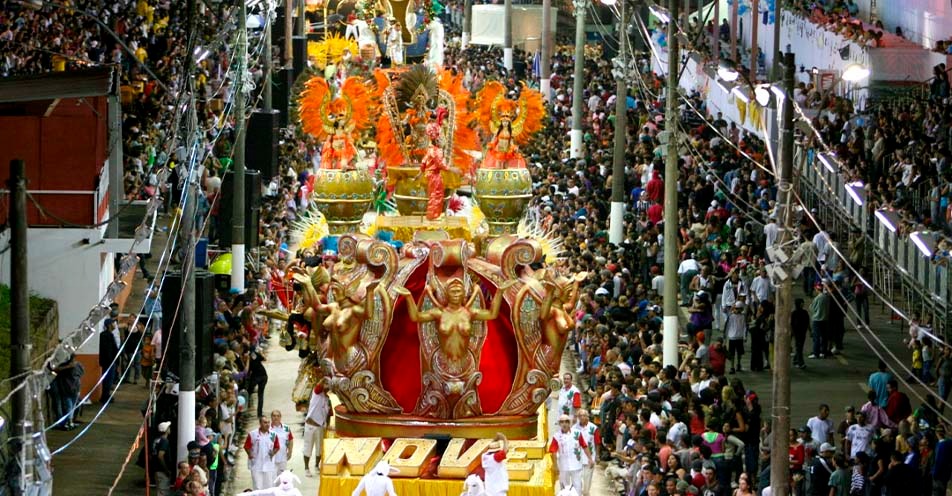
694 428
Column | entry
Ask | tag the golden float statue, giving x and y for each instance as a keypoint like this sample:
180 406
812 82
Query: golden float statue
503 184
437 325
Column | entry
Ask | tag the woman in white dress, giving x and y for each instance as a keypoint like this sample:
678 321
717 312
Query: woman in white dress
395 43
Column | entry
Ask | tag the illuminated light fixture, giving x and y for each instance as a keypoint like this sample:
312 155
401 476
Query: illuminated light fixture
609 2
719 83
826 162
762 95
739 93
660 14
253 22
727 71
778 92
926 242
888 218
855 72
200 54
857 192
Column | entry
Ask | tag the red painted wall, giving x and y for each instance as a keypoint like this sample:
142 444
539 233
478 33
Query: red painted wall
65 151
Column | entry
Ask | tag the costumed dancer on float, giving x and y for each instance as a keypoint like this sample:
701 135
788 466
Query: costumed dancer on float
395 43
437 43
509 123
338 120
494 466
571 452
377 482
432 167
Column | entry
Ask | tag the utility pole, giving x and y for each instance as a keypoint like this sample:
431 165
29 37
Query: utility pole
507 36
268 62
754 49
186 328
575 150
302 19
238 192
670 329
777 51
545 68
616 218
186 397
288 33
780 409
20 342
467 23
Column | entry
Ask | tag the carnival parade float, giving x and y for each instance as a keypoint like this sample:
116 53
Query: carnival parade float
436 318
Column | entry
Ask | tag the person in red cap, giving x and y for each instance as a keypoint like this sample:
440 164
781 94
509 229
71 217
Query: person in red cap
315 423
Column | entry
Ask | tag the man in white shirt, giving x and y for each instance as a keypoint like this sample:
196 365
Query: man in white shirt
318 416
570 398
771 233
572 453
859 435
494 466
761 289
687 269
593 438
821 427
821 241
261 445
282 432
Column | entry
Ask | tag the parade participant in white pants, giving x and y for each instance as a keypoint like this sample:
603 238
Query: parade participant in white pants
592 438
569 445
315 423
377 482
494 465
285 441
261 446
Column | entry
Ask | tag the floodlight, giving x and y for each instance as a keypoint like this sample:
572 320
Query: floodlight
826 162
739 93
727 71
762 95
857 192
926 242
855 72
888 218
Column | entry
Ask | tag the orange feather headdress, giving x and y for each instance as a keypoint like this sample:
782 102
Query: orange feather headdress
322 114
443 91
524 115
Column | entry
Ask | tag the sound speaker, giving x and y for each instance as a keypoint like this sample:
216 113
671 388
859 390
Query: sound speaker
204 318
252 207
281 94
299 50
277 31
261 144
520 68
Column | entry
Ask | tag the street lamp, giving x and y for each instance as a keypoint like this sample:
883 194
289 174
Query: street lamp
575 135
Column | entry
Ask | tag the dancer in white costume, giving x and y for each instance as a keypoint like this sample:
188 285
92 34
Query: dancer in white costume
395 43
437 43
377 482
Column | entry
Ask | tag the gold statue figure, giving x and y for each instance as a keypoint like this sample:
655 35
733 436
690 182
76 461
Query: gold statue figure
346 315
556 315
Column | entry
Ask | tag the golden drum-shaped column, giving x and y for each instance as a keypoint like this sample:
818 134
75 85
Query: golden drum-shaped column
343 196
503 196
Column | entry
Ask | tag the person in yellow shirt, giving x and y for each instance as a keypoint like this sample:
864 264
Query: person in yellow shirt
141 54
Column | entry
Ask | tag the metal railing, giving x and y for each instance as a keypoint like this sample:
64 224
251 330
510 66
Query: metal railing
900 270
